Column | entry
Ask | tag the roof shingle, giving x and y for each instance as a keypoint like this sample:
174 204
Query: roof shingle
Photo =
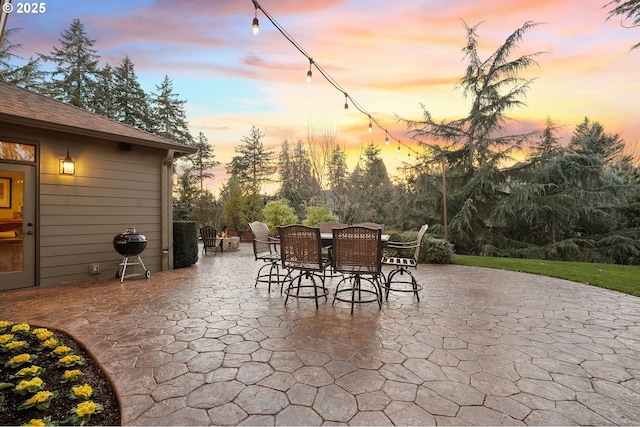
22 106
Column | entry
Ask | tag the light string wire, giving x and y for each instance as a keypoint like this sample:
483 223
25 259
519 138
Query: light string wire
328 78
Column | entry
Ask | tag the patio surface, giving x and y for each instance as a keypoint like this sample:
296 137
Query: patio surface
203 346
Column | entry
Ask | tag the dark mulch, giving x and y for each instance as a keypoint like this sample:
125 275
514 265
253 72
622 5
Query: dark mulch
58 410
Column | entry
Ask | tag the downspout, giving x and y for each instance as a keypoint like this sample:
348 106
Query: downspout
4 14
166 171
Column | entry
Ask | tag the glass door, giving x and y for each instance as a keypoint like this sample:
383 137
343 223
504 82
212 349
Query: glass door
17 226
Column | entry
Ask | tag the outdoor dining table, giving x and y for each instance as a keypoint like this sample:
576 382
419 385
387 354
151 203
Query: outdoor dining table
327 239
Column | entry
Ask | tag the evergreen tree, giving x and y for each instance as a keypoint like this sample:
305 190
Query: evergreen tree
169 113
295 176
203 160
548 146
254 165
629 9
132 103
104 102
477 148
76 67
27 76
338 175
370 188
589 138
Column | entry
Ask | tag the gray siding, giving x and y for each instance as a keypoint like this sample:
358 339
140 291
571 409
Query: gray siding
79 215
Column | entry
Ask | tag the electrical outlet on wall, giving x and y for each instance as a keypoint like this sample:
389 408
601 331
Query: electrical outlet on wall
94 268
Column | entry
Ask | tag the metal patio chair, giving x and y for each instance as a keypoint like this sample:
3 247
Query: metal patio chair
301 250
401 263
357 254
265 248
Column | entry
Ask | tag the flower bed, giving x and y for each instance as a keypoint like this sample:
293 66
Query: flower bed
46 378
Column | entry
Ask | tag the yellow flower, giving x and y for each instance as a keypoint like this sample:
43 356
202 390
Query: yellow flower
36 331
34 382
72 374
5 323
39 397
85 408
43 335
51 342
39 422
62 349
21 327
70 359
19 359
5 338
15 345
32 370
83 391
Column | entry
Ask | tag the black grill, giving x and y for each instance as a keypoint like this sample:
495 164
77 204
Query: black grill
129 243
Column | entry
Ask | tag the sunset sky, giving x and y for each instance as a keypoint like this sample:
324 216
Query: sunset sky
391 57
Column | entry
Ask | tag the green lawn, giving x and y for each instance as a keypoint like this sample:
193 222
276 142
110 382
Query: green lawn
622 278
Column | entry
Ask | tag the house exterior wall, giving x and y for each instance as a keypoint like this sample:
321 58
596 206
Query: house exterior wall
79 215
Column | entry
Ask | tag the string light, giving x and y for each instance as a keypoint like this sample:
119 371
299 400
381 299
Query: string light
386 138
327 77
256 24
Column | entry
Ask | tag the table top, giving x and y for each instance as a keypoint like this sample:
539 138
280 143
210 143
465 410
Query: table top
329 236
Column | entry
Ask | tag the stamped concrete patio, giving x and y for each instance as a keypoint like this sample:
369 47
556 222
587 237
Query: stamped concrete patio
203 346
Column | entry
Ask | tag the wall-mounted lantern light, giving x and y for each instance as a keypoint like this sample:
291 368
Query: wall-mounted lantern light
67 165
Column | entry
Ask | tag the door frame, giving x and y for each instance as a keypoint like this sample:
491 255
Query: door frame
28 277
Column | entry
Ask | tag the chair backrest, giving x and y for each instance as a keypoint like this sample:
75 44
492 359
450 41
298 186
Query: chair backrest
326 227
208 235
300 247
357 248
371 225
421 233
260 232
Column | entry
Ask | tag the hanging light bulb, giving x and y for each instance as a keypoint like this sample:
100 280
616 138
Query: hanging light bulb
309 73
370 125
346 104
256 24
386 139
398 149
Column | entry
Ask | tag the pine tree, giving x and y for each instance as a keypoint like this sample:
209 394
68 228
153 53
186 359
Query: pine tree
104 102
169 113
338 175
29 75
629 9
548 146
589 138
202 161
76 67
254 165
295 176
476 147
132 103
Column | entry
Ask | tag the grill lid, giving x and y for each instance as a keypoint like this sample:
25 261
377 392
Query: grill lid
129 243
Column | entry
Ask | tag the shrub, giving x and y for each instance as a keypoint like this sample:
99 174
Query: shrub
436 251
278 212
318 214
185 244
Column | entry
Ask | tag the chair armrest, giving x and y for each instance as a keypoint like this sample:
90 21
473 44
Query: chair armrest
402 245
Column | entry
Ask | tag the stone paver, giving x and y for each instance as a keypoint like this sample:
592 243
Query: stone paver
202 345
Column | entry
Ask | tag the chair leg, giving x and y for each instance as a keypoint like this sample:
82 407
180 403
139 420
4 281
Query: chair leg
415 288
